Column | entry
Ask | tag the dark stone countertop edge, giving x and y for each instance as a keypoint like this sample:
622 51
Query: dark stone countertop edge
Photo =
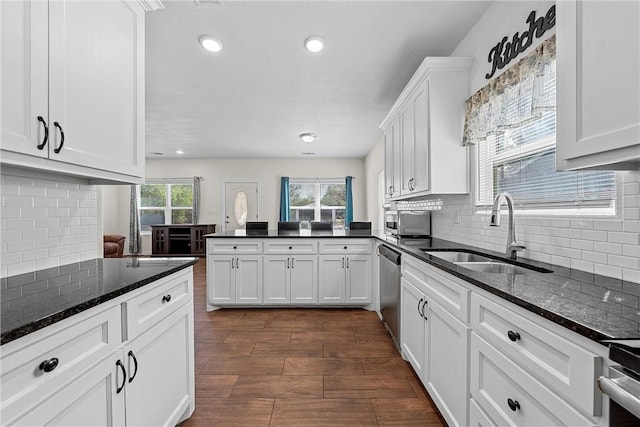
461 273
347 234
43 322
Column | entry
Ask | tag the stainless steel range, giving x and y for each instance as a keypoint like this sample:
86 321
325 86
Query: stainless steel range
622 384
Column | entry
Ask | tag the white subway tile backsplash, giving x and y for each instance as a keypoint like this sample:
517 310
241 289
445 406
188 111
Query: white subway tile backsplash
608 248
578 243
37 219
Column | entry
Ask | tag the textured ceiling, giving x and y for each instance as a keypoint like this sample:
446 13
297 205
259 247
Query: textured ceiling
254 98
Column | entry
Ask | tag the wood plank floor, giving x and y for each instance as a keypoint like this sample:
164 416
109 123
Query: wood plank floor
300 367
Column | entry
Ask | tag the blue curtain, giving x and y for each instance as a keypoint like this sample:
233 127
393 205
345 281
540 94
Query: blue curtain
348 216
285 212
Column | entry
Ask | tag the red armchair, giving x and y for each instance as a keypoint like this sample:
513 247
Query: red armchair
113 245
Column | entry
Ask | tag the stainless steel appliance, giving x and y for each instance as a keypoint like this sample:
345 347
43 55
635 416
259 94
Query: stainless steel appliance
390 290
401 223
622 384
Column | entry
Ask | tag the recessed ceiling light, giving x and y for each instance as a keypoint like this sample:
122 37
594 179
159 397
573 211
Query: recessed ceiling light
308 154
308 137
211 44
179 152
314 44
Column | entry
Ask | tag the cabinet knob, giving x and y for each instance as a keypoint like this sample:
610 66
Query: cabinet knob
513 404
166 298
49 365
513 336
235 247
290 247
345 248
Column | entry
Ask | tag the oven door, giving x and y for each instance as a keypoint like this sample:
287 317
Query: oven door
623 388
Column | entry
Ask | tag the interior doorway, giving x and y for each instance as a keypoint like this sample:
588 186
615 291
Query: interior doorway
241 204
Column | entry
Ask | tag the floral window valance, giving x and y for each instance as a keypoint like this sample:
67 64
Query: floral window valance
518 96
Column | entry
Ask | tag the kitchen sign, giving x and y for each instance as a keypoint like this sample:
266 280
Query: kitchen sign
503 52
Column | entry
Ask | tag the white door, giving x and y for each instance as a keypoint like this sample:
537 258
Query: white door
240 204
249 279
412 334
332 279
221 279
358 279
276 279
304 279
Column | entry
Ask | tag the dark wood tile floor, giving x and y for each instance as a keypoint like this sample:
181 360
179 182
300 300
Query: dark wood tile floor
300 367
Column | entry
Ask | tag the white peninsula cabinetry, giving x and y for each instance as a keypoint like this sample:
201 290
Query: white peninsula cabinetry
423 132
128 361
289 271
517 368
598 75
73 88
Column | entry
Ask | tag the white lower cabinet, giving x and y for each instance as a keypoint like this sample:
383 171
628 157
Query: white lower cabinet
413 326
477 417
97 375
510 396
446 352
234 279
89 399
290 279
344 279
436 345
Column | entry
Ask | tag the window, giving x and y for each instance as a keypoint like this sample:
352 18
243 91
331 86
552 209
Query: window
318 200
165 202
518 155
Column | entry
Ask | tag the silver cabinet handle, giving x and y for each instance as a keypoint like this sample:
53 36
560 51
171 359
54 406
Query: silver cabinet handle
342 262
621 396
347 262
288 262
293 262
232 262
237 263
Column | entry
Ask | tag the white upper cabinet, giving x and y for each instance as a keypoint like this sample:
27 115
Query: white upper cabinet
425 153
598 85
73 88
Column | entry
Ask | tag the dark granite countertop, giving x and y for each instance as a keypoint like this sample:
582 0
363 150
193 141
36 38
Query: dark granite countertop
297 234
32 301
597 307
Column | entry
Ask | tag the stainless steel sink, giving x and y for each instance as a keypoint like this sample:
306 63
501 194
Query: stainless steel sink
484 264
494 267
456 256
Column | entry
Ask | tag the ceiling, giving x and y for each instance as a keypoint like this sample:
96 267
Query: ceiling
255 97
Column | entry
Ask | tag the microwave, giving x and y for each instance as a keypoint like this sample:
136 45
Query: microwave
407 223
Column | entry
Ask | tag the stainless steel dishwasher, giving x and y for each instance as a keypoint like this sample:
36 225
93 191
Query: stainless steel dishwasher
390 291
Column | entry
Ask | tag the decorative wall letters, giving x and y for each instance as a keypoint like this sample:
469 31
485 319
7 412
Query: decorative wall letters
503 52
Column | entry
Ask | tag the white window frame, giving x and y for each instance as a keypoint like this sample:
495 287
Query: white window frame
167 182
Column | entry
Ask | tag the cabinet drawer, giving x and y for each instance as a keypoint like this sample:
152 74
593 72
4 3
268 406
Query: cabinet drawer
280 246
510 396
477 417
438 286
569 370
152 305
234 246
77 342
344 246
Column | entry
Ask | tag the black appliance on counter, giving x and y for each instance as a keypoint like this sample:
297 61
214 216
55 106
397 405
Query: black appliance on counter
622 384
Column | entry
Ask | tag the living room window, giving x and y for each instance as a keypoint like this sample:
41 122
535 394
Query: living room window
318 200
165 202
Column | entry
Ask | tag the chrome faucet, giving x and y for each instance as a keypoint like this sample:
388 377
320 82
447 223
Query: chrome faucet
512 246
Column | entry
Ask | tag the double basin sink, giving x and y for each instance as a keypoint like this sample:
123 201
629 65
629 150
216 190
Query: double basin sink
485 264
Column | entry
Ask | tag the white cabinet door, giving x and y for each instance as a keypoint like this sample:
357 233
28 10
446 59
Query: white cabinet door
598 82
445 367
358 270
90 399
277 279
388 161
393 159
413 326
96 93
407 137
24 74
221 278
160 375
332 279
420 105
248 283
304 279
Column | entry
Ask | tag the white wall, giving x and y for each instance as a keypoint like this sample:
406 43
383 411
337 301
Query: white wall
215 171
607 246
373 165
